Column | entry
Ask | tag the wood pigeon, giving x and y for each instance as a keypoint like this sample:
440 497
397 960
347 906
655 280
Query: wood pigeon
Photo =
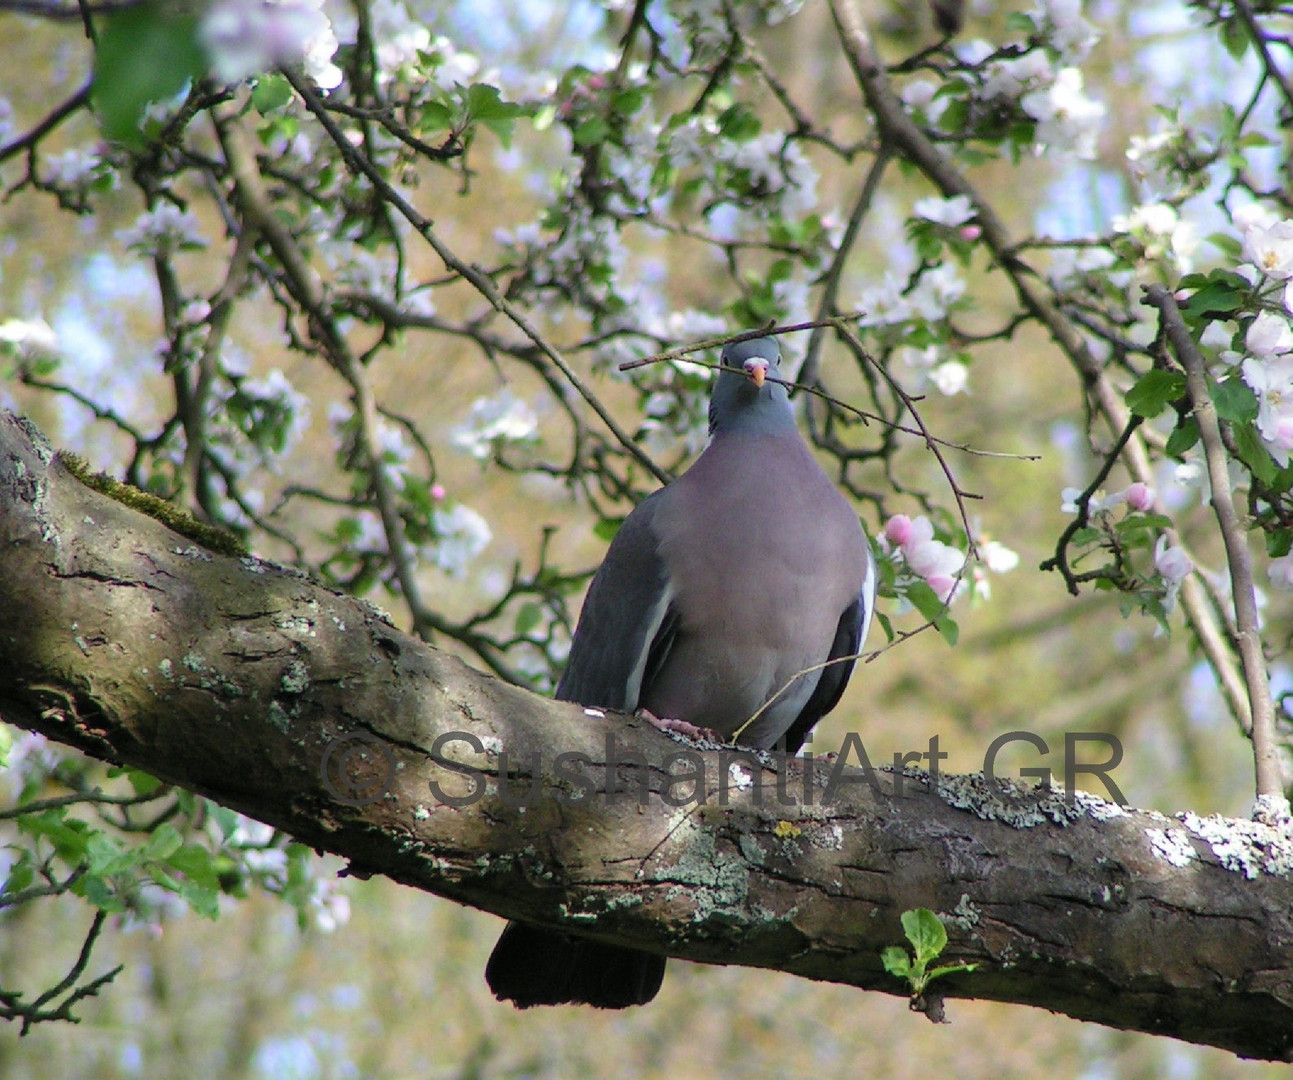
719 590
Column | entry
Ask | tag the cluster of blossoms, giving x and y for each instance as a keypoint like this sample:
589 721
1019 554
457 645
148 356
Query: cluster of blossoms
891 302
163 230
247 37
243 38
940 565
1161 233
494 422
1171 563
1266 365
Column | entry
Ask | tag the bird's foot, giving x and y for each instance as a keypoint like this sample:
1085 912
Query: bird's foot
681 727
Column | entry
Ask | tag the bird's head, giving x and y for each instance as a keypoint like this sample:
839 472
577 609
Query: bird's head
748 393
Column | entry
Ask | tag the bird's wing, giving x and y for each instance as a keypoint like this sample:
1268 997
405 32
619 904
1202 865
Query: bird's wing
849 636
627 625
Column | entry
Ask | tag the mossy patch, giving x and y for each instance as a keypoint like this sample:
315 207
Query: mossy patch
173 517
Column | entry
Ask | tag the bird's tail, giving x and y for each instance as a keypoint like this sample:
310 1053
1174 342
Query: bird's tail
533 966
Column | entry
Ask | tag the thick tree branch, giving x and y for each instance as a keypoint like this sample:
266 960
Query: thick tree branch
307 709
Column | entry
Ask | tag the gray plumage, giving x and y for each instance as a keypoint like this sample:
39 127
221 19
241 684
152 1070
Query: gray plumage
722 591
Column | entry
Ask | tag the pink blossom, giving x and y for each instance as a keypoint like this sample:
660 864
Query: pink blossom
943 586
1140 497
934 559
897 529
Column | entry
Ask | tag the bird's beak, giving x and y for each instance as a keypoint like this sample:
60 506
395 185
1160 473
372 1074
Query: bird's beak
757 370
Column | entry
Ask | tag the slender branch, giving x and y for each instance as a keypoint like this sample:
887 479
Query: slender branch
1060 560
56 116
305 286
1270 786
12 1007
811 367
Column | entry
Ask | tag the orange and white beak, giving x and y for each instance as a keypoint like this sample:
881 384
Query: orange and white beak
756 370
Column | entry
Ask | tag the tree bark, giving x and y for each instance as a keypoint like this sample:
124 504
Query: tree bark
307 709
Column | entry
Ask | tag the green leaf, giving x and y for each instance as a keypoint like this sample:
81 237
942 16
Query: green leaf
1154 391
950 969
528 618
436 116
926 601
69 836
270 93
1143 521
926 932
164 842
1184 437
1218 295
1235 401
606 528
194 862
1251 451
1234 37
19 877
226 820
201 898
896 961
144 53
739 123
593 130
142 782
485 105
99 893
107 857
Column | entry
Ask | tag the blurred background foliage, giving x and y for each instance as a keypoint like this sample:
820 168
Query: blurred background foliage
507 486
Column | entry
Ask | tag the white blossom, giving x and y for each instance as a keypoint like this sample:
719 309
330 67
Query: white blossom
919 95
461 535
950 212
163 229
1272 382
397 38
72 168
1171 562
1012 77
1270 249
500 419
29 336
998 558
936 292
1067 120
1269 335
250 37
454 66
1062 25
1161 231
1280 571
884 304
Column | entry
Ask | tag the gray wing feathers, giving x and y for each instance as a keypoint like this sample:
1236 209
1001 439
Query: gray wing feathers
626 607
